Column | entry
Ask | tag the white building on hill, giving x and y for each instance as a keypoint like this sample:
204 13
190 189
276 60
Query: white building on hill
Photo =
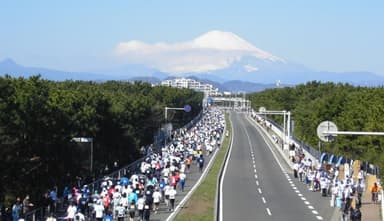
208 89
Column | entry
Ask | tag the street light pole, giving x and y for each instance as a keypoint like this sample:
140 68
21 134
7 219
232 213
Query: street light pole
91 167
171 108
86 140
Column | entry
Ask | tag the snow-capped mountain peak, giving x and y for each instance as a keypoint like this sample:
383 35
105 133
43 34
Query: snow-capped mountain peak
228 41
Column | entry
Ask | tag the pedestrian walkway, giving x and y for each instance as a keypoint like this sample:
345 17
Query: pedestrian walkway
370 210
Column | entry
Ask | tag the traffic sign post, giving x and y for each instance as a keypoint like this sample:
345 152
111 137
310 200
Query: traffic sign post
187 108
328 129
323 129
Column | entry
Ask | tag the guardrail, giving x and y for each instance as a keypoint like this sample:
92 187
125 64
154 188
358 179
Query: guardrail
219 177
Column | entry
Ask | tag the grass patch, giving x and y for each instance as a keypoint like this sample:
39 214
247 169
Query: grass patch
201 205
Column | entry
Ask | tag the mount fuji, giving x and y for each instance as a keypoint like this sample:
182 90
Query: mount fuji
216 55
224 56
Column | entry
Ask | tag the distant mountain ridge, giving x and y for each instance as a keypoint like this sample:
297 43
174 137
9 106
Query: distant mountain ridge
248 75
11 68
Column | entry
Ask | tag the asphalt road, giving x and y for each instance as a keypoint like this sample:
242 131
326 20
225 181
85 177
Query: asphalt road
258 184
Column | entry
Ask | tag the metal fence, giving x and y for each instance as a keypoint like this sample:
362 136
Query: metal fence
39 214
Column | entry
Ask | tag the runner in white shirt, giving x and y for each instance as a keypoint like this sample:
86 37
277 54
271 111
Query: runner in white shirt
140 207
172 196
156 199
182 178
79 217
166 194
99 211
71 211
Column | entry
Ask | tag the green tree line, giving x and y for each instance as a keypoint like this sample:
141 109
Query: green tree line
351 108
39 118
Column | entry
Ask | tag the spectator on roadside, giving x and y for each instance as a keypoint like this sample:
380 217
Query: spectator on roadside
53 200
296 169
17 209
375 193
27 205
360 188
65 195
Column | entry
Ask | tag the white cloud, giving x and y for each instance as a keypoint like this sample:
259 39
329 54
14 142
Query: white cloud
211 51
250 68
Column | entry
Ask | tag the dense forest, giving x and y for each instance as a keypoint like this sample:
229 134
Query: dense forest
39 118
350 108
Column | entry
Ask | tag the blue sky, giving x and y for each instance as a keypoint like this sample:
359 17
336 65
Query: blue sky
342 35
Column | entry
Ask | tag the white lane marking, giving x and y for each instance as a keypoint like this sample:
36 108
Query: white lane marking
281 167
310 207
255 176
292 184
303 198
257 182
263 200
315 212
259 190
269 212
224 172
295 188
297 191
255 170
254 165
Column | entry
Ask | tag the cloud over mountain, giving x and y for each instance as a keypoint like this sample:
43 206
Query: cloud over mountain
211 51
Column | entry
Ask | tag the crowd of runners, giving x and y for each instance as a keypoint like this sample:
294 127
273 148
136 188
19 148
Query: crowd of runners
163 174
343 188
345 192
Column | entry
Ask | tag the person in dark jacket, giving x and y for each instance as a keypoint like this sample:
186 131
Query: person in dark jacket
355 214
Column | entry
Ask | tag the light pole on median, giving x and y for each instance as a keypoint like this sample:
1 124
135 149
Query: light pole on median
186 108
86 140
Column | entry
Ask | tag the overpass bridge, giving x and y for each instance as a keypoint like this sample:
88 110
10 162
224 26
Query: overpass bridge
231 103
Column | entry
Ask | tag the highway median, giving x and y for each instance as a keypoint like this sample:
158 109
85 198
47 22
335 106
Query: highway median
201 205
